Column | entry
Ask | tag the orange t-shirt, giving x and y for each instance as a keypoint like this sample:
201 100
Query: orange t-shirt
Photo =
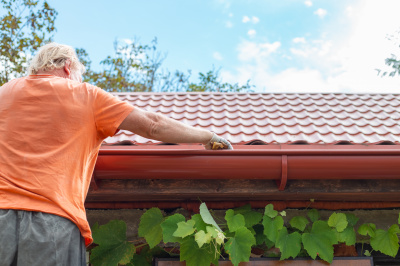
51 129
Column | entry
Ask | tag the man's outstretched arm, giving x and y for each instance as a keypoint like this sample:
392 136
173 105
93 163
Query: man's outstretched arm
159 127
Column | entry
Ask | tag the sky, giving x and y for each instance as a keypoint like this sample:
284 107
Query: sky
302 46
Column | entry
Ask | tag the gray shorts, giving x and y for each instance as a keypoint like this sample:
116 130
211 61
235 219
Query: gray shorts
36 238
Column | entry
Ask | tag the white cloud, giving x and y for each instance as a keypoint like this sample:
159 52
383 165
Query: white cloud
249 51
228 24
217 56
252 33
127 41
230 15
245 19
253 19
349 11
226 4
344 60
299 40
308 3
315 48
320 12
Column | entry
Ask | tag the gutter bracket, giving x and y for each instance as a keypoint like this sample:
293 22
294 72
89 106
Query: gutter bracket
93 184
282 183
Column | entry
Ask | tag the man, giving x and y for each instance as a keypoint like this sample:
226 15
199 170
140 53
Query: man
51 128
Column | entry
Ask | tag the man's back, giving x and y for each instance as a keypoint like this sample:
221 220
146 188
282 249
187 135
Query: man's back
50 132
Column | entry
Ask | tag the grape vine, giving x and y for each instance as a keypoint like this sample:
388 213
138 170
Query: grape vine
202 241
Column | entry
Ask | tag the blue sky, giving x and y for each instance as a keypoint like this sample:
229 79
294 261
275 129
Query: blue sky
281 46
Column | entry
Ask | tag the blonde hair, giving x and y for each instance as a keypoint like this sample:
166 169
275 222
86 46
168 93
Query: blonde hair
53 56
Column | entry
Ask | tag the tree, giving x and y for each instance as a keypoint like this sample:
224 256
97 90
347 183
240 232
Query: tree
393 62
134 67
137 68
26 26
210 82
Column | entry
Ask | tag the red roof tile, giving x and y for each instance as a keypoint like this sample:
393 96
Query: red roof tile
277 118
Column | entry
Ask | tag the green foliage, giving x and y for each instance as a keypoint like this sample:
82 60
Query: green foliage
210 82
367 229
261 238
169 226
393 61
202 237
386 241
207 217
113 248
338 221
251 217
299 222
27 25
270 212
185 229
235 221
150 226
135 67
289 244
272 227
24 27
352 219
313 214
202 241
239 246
200 224
320 241
196 256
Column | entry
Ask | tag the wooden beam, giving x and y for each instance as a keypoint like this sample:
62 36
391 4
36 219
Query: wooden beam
235 190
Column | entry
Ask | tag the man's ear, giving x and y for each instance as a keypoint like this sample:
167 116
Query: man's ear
67 67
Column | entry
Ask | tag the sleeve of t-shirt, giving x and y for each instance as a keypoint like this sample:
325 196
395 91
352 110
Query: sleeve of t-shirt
109 112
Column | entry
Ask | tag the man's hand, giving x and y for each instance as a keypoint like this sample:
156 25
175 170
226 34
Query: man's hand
218 143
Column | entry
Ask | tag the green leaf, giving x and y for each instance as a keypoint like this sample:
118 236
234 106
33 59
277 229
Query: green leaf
272 227
338 221
235 221
386 242
398 219
119 254
251 217
169 226
184 229
150 226
367 229
348 236
299 222
367 253
140 260
110 234
270 212
313 214
202 238
289 244
320 241
352 219
206 216
113 247
200 224
195 256
239 246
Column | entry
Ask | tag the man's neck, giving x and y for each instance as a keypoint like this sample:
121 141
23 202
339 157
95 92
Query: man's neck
55 72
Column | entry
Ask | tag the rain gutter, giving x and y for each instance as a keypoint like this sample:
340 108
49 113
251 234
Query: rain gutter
272 162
